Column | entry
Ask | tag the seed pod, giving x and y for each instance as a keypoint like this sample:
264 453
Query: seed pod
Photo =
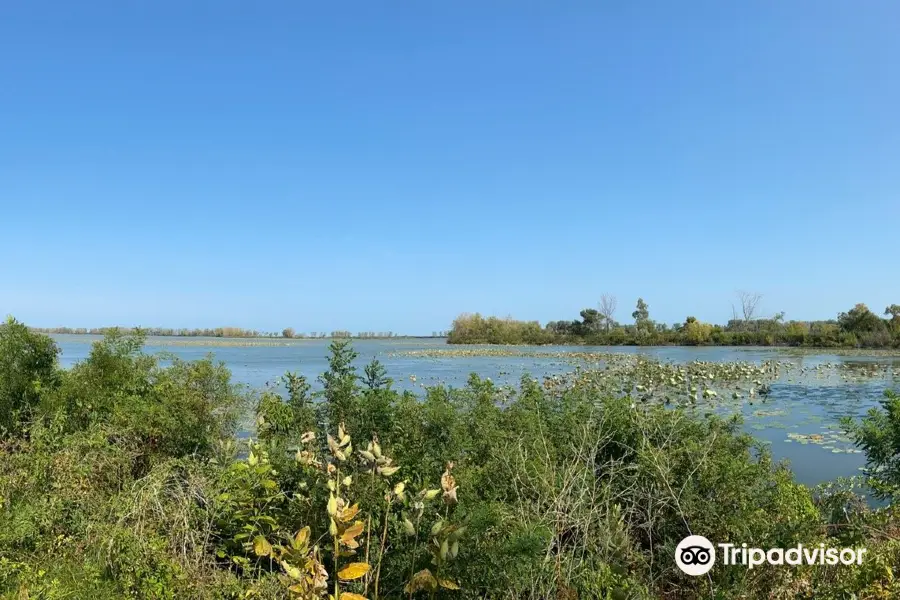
332 504
458 533
408 526
436 528
454 549
347 480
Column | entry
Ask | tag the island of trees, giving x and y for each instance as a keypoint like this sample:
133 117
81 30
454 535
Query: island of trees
858 327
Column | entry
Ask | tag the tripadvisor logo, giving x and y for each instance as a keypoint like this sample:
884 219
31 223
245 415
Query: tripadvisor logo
696 555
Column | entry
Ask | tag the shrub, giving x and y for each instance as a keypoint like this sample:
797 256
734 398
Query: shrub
28 367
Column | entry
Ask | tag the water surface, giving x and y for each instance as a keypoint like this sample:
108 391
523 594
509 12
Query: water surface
798 419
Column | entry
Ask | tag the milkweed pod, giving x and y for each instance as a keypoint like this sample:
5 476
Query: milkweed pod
408 526
436 528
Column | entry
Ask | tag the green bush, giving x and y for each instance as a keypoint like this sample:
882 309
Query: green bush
28 367
878 434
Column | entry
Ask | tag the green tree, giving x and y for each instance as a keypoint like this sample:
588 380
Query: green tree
695 332
592 320
641 316
894 312
340 383
27 366
860 319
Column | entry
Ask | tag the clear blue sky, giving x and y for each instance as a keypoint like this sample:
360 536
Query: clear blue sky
388 165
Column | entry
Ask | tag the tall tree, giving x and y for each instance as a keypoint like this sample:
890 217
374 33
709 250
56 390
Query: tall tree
749 302
641 314
608 304
860 319
591 320
894 312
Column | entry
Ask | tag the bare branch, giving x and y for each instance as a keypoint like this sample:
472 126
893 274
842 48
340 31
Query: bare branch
749 303
607 308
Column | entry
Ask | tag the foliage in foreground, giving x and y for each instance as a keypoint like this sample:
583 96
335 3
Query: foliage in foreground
122 477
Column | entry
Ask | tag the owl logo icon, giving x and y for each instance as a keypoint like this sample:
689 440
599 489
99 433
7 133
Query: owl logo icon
695 555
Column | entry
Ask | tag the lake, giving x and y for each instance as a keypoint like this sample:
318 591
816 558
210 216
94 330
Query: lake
798 419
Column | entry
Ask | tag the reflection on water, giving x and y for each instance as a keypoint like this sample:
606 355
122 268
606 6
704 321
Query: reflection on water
798 418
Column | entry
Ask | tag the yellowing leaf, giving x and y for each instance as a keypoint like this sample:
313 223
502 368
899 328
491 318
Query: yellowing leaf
351 532
448 584
347 514
353 571
302 538
352 596
291 570
261 546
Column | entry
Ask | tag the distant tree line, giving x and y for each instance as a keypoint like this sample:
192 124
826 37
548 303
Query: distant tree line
229 332
858 327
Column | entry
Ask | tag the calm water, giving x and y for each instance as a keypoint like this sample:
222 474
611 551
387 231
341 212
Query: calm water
798 405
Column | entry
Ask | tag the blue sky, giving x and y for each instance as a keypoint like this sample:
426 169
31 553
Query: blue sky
386 166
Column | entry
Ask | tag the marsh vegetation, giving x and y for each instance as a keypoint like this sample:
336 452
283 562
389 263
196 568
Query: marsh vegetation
126 476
